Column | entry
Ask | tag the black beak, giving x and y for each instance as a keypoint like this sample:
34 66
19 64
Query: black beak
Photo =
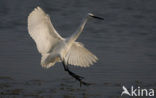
98 17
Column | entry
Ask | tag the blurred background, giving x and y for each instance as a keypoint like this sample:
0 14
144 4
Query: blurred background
125 43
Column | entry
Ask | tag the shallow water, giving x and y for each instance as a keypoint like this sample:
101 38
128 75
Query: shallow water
125 43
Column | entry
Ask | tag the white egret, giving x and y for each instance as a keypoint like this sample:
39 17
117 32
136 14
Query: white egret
54 48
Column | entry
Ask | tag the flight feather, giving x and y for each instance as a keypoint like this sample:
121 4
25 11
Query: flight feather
42 30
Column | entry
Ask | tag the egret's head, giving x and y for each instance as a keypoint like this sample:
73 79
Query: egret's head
90 14
93 16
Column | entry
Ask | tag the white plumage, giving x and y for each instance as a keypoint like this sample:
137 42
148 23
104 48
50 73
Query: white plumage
53 47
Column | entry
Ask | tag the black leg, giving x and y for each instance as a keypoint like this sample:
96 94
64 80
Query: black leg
77 77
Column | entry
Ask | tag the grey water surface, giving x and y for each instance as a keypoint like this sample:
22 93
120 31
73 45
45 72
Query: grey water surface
125 43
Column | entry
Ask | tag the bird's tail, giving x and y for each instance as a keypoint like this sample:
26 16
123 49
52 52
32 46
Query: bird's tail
48 60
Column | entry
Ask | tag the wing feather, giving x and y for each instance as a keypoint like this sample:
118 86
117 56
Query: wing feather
78 55
42 31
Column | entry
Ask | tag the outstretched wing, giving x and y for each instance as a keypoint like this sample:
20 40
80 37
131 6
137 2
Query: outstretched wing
78 55
42 31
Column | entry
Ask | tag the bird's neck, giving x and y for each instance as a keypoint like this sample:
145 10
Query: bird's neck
75 35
